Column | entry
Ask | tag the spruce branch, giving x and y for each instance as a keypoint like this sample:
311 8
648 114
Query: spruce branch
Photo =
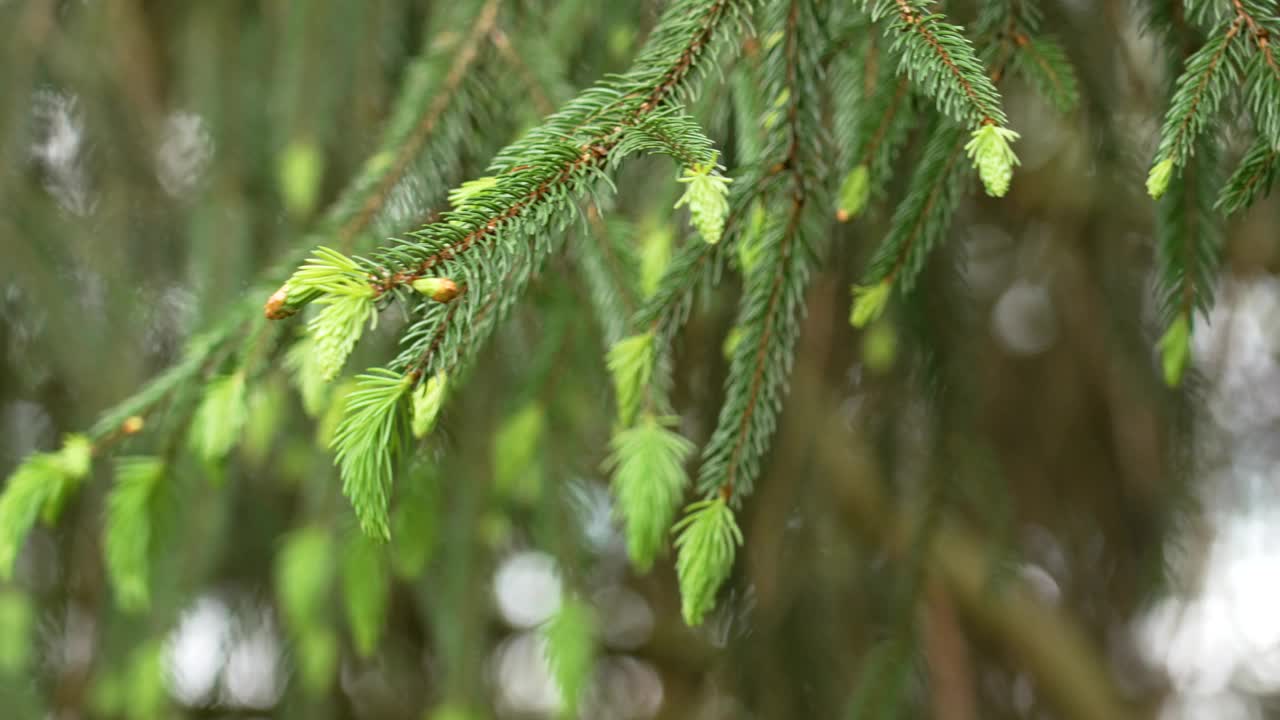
649 481
537 180
870 113
706 195
416 520
428 398
707 541
941 62
1211 72
38 486
993 158
694 267
407 139
302 362
425 125
1262 92
570 637
424 138
676 134
128 529
366 591
1252 179
1262 83
1044 63
773 300
630 362
1189 243
304 574
220 418
921 220
883 122
770 321
538 174
604 255
671 132
366 443
428 114
198 354
516 61
885 125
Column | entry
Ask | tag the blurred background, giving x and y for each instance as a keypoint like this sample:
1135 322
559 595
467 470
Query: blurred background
1103 547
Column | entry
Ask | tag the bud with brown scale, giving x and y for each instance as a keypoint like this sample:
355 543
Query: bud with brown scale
132 425
276 307
442 290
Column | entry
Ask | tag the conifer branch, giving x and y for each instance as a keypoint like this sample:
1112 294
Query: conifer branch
534 181
38 487
883 123
1262 74
774 296
422 110
539 94
127 534
649 480
219 419
1044 62
695 267
919 224
367 442
406 151
366 591
941 62
708 540
573 147
1252 179
570 636
1189 238
606 260
427 127
1210 74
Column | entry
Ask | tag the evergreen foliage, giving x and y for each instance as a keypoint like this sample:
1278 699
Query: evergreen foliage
128 531
304 575
219 419
649 481
38 486
17 621
570 638
365 591
782 118
708 540
365 444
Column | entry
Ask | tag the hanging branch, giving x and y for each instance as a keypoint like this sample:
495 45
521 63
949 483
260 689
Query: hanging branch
531 192
920 224
1252 179
770 311
1211 73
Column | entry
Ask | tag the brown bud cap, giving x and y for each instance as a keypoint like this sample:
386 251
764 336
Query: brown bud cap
132 425
276 309
442 290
